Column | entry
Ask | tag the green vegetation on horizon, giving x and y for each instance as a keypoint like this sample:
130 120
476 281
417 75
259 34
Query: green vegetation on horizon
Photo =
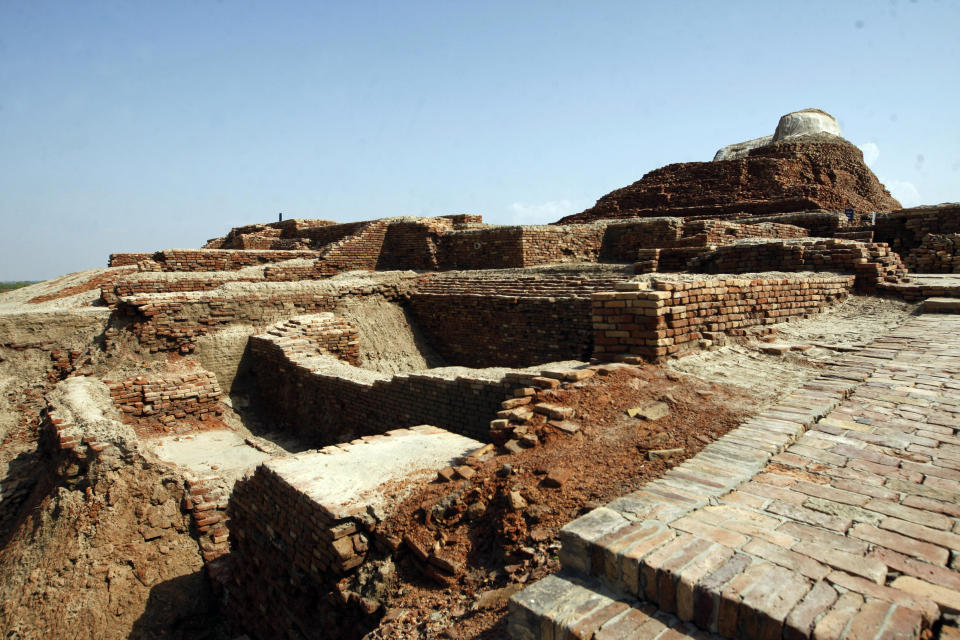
10 286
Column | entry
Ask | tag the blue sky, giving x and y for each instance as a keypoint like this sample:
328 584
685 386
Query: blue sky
135 126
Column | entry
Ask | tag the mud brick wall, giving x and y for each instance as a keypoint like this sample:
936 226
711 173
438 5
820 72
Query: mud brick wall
938 253
413 244
905 230
821 224
136 286
492 248
669 316
514 247
127 259
172 322
325 403
872 262
722 232
360 251
221 259
621 240
504 331
156 403
287 553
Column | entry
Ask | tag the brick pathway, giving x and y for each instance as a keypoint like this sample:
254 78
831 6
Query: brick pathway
833 514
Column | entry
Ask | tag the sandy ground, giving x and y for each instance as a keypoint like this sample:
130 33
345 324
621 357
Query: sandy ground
850 324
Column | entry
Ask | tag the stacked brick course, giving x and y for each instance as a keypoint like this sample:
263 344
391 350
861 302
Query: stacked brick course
221 259
327 401
511 247
937 253
659 320
873 263
102 281
904 230
159 403
507 321
326 334
128 259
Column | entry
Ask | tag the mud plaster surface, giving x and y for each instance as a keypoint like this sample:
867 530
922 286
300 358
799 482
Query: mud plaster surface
221 452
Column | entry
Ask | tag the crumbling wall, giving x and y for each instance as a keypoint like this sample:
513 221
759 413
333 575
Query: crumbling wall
937 253
325 401
904 230
211 259
158 403
173 322
660 318
299 524
872 262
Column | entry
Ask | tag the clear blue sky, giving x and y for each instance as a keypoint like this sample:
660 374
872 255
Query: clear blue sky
134 126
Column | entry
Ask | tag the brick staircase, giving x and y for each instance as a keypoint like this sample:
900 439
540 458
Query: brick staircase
830 515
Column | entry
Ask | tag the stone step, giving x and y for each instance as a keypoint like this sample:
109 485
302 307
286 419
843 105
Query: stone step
941 305
567 607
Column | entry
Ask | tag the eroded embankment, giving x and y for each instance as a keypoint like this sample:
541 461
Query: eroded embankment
104 549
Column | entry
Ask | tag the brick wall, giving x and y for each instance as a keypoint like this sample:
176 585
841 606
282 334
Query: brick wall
127 259
514 321
512 247
660 319
904 230
872 262
292 537
937 253
325 333
326 401
161 403
221 259
413 244
173 322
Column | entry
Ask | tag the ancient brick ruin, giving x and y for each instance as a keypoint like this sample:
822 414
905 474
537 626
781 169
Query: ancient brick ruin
341 417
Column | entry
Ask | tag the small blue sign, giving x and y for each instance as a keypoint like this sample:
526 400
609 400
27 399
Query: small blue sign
849 213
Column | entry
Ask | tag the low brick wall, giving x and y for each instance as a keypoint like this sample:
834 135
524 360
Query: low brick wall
904 230
295 531
221 259
873 263
937 253
158 403
507 321
325 401
660 318
127 259
173 322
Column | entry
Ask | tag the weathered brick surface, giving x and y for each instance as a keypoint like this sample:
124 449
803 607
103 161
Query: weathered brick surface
937 253
160 402
518 321
663 318
904 230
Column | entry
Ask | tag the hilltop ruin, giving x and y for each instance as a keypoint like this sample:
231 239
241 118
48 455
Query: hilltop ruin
713 405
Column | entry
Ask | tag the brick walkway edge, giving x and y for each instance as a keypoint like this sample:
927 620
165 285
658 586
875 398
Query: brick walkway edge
833 514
